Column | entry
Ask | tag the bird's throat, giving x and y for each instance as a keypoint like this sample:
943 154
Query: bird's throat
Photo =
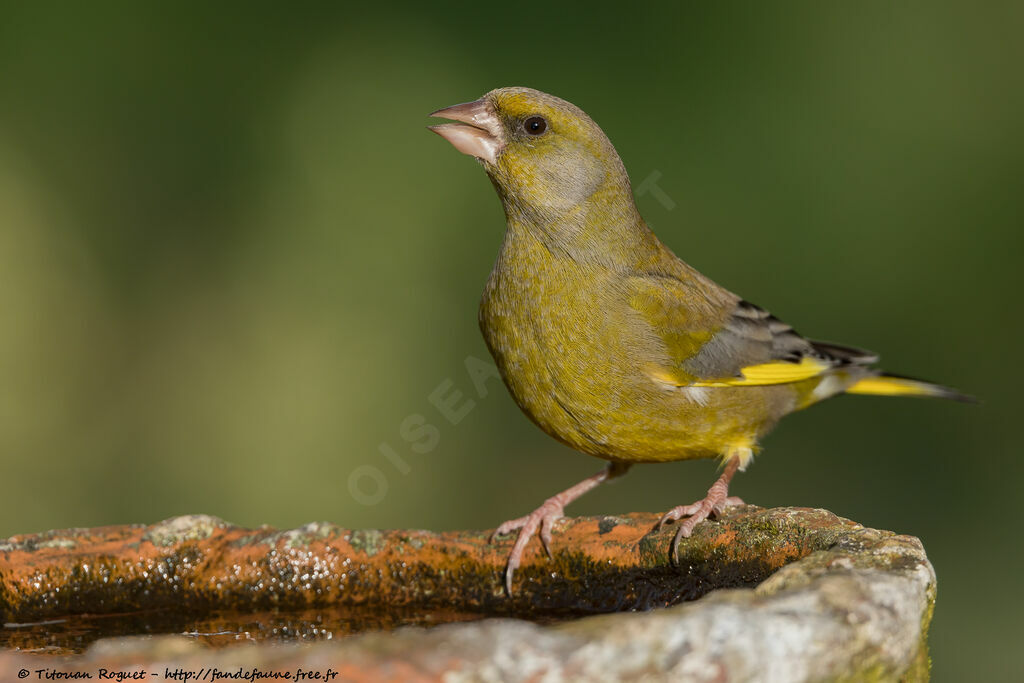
604 229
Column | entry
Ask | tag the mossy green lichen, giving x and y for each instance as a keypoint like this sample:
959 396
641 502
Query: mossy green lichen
180 529
367 541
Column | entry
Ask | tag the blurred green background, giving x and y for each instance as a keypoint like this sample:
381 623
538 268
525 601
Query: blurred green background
233 261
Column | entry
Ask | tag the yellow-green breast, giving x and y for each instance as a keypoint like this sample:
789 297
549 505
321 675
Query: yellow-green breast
576 356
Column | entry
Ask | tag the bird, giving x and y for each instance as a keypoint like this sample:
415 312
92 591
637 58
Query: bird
607 340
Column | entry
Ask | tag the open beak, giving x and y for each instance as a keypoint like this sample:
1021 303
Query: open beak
478 132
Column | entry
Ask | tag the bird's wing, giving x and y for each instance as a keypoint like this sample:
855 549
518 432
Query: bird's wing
715 339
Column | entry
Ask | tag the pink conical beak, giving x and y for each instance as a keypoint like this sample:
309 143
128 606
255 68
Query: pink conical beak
479 132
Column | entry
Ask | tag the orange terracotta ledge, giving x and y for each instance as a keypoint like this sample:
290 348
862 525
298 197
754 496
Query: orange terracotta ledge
813 595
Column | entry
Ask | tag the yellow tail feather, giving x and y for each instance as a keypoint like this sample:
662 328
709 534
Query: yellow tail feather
893 385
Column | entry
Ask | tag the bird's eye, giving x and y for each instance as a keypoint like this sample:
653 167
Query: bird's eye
535 125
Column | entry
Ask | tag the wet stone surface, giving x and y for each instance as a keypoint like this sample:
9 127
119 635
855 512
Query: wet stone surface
796 573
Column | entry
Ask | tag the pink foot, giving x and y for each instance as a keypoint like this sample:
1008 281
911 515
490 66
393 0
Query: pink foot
695 514
718 499
543 518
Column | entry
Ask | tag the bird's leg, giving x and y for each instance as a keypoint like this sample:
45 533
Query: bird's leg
545 517
718 498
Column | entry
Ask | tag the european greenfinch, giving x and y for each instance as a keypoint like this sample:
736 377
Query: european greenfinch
607 340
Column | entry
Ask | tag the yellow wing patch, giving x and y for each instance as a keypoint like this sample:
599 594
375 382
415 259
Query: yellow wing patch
776 372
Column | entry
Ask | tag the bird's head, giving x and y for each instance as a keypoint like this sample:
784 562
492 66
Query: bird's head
542 153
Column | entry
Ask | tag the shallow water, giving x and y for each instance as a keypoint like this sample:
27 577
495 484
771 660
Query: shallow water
73 634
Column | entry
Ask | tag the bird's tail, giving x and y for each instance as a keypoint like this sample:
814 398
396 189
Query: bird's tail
894 385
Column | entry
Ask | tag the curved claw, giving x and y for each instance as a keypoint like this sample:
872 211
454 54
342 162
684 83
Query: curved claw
542 519
545 535
716 501
675 547
695 514
678 512
508 527
703 511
